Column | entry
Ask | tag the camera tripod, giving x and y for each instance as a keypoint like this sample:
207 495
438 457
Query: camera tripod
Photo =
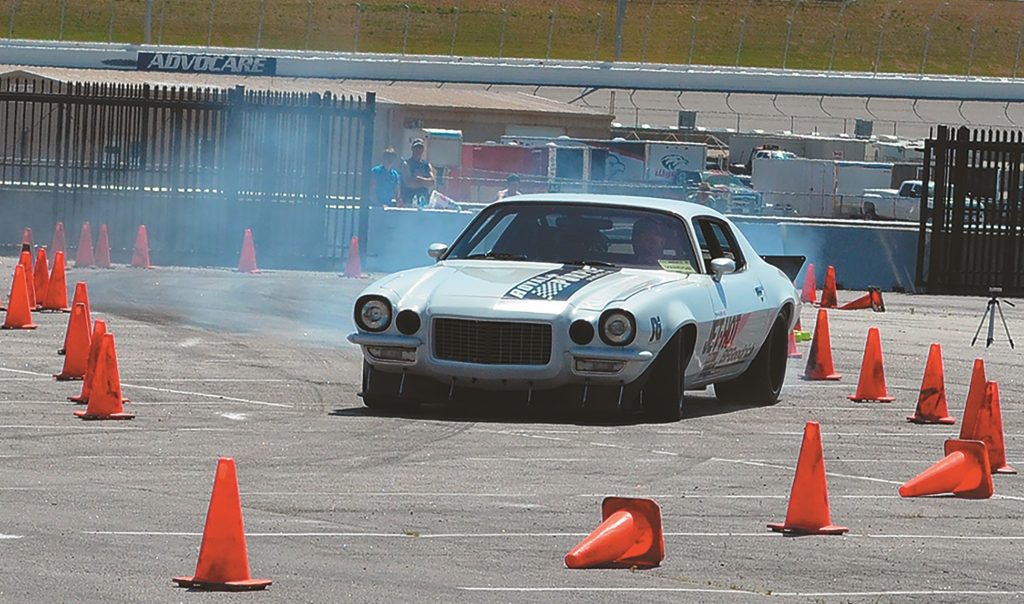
990 313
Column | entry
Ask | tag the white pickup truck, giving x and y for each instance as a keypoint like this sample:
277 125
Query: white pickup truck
896 204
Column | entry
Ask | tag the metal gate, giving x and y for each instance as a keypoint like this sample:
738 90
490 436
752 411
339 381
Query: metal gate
972 225
197 166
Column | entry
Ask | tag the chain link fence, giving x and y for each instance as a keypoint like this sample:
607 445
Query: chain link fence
966 37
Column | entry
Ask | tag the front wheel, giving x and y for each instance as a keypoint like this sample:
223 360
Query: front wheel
381 391
663 394
761 383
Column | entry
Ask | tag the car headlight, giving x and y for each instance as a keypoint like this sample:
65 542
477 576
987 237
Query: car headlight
373 313
618 327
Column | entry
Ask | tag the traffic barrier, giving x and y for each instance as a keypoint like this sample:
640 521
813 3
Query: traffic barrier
105 400
223 560
808 512
140 253
810 293
76 361
42 276
819 359
983 420
871 385
58 243
56 288
19 314
931 402
629 536
964 472
103 248
84 257
247 259
98 330
828 292
354 267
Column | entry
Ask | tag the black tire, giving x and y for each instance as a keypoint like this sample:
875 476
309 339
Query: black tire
761 383
384 395
663 393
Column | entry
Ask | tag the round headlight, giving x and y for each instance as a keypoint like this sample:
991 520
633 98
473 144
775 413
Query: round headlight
373 313
618 328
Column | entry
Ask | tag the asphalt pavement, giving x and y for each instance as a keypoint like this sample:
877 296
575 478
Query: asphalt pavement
473 504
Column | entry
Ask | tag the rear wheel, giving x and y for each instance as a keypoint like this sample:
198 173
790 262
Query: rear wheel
663 393
381 391
761 383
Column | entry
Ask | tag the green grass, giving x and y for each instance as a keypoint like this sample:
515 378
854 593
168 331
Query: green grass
658 31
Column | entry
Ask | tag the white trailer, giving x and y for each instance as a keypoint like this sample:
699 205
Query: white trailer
818 187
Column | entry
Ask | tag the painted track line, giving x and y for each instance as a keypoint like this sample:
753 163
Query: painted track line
766 534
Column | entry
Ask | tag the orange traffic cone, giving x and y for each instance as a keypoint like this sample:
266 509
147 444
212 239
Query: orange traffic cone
26 237
793 352
975 399
247 260
76 362
628 536
871 385
105 400
140 254
964 471
808 512
810 293
354 267
81 295
30 282
877 304
798 327
98 330
861 303
58 243
57 289
819 360
19 314
931 403
223 560
42 276
85 257
828 292
986 424
103 248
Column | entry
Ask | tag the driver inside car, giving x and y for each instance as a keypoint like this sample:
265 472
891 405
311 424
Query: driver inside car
649 239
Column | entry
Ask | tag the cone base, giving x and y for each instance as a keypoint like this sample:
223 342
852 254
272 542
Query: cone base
94 416
1004 470
29 326
60 377
247 585
79 400
832 377
920 419
795 355
252 272
829 529
876 399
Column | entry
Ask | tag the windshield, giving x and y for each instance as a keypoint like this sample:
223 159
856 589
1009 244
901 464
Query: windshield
724 180
578 234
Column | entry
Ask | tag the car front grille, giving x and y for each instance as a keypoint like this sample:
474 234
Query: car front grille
492 342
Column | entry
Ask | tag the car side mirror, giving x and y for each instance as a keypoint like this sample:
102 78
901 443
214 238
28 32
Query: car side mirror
722 266
436 250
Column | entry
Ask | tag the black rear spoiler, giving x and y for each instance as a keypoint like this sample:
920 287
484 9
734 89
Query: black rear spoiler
790 265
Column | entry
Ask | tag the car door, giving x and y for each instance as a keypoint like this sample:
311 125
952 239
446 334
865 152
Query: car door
742 316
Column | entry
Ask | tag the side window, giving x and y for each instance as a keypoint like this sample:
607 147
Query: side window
717 241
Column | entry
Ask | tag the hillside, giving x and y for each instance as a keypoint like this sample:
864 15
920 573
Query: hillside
890 35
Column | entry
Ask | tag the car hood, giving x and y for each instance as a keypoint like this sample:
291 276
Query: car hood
494 284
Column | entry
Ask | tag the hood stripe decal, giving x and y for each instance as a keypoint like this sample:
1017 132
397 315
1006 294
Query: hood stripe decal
560 283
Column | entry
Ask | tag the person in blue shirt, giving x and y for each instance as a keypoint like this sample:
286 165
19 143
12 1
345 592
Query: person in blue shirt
385 181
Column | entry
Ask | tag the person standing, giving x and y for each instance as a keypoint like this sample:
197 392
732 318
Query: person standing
385 181
511 187
418 177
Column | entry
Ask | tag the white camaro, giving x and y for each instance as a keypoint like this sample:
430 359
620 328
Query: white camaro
601 302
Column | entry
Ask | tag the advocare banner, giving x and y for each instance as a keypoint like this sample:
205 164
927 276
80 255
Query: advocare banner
199 63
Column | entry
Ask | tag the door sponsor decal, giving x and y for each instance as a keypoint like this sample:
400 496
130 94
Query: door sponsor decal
719 349
560 283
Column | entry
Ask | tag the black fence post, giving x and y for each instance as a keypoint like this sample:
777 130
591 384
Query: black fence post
369 115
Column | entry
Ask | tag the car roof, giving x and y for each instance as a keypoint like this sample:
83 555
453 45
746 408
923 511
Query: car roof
683 209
